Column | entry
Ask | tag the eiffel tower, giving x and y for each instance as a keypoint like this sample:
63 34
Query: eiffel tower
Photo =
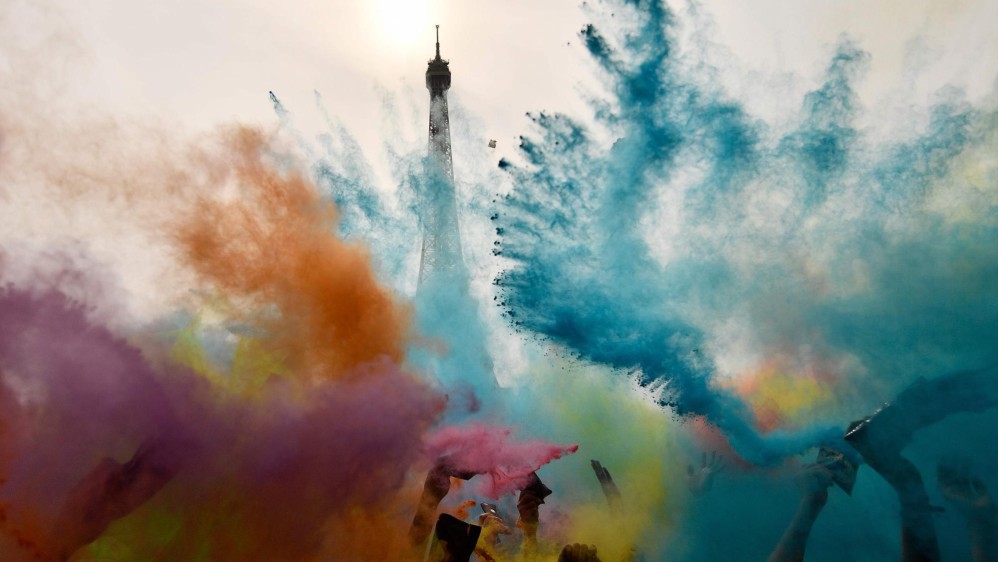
443 288
441 250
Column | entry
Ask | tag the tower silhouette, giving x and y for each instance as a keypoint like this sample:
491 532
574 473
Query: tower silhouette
441 250
445 308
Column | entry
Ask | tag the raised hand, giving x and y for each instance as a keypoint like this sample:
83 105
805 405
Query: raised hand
493 526
610 490
814 481
435 489
702 479
967 493
438 479
111 491
971 498
531 497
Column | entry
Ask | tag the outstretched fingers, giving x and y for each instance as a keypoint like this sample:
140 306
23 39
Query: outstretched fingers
602 474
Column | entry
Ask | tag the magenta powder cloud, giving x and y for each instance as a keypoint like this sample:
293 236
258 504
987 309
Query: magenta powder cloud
493 452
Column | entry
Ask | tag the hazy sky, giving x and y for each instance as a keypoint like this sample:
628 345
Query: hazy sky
205 62
192 65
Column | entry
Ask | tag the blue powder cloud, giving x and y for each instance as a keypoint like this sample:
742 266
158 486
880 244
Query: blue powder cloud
816 238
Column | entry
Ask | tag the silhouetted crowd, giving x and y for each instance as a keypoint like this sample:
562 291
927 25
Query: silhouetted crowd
877 441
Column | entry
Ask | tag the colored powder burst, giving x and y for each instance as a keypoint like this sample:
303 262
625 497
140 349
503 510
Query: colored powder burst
481 449
263 472
642 447
66 382
251 364
250 466
270 244
817 240
805 274
453 341
301 443
779 394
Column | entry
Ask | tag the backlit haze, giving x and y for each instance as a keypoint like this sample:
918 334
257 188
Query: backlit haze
719 226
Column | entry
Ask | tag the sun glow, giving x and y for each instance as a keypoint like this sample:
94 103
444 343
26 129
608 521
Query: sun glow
403 21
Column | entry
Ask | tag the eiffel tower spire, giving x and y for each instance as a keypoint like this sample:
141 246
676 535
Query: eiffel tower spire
441 249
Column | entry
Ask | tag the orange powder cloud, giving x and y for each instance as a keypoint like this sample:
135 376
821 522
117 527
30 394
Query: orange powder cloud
269 247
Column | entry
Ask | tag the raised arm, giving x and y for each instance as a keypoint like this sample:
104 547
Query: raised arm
880 443
435 489
701 479
971 498
531 497
109 492
814 481
610 490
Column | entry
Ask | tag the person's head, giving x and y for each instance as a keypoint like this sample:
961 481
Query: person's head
578 553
